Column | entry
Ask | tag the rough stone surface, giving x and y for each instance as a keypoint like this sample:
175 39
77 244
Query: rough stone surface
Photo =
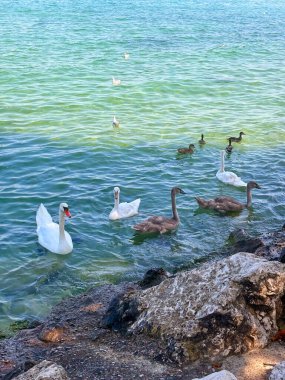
74 336
270 245
153 277
221 308
87 350
221 375
278 372
45 370
273 245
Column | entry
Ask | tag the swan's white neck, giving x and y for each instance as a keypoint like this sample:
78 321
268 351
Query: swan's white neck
61 226
116 201
222 169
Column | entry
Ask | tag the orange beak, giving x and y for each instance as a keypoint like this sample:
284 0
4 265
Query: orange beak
67 213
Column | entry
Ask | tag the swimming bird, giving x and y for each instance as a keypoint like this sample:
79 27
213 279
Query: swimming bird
161 224
116 122
237 139
187 150
229 148
126 55
202 141
52 236
227 204
229 178
116 82
125 209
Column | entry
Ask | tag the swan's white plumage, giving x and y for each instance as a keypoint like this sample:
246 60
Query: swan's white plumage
116 82
49 233
116 122
229 178
124 209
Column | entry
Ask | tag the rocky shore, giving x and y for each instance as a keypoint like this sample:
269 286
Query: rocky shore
227 314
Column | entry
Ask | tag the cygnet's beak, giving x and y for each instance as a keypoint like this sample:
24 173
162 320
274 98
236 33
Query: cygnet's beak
182 192
257 186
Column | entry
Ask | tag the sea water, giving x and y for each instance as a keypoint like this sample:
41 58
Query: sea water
197 66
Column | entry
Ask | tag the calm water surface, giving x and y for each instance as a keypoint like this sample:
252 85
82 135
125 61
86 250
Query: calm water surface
212 67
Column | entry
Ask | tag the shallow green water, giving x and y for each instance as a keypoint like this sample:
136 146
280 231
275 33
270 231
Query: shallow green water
195 67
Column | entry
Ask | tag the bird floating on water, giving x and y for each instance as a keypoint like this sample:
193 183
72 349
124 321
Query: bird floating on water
52 236
229 178
124 209
116 122
237 139
126 55
161 224
227 204
116 82
190 149
202 141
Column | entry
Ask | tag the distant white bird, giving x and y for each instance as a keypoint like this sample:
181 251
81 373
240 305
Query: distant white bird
116 122
124 209
51 235
229 178
116 82
126 55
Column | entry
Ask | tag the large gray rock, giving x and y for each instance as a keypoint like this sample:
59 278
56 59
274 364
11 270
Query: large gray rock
221 308
278 372
221 375
45 370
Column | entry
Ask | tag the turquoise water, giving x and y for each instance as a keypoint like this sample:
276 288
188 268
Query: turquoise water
212 67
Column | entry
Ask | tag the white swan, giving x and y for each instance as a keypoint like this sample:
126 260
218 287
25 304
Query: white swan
51 235
116 82
125 209
116 122
229 178
126 55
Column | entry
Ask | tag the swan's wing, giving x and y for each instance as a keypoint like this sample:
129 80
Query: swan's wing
48 236
230 178
239 182
159 224
224 199
43 217
136 203
225 204
68 239
148 225
129 209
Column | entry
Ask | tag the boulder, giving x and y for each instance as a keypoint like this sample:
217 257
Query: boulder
225 307
278 372
221 375
270 245
45 370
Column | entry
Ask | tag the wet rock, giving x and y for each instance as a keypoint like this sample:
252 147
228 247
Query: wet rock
45 370
153 277
269 245
222 308
273 246
241 241
122 312
278 372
